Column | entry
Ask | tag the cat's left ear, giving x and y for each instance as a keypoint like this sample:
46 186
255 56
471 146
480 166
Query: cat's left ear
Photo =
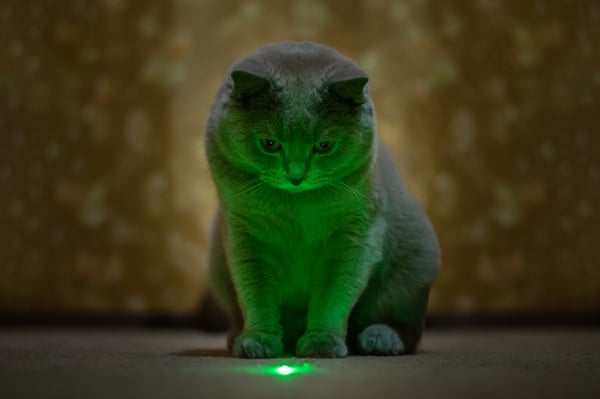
352 90
246 84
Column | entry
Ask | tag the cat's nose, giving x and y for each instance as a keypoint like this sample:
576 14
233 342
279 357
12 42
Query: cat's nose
295 172
296 182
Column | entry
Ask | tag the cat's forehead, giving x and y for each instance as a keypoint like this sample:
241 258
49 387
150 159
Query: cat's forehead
298 123
301 91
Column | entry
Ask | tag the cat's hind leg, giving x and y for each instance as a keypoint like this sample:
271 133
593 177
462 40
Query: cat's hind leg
379 339
387 324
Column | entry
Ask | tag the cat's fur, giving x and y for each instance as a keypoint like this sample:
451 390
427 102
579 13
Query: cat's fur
316 250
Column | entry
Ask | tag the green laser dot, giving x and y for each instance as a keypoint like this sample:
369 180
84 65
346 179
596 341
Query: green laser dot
284 370
281 370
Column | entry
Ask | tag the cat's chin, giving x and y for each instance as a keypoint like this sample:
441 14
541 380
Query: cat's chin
296 189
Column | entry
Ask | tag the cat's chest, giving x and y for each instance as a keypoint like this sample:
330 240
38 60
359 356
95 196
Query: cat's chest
301 239
297 232
299 245
298 267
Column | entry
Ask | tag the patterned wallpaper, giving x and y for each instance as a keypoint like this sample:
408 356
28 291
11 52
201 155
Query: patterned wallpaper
491 108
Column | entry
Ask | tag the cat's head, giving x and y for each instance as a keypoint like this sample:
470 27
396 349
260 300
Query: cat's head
296 116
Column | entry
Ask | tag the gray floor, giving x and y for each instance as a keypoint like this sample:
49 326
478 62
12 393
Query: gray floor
186 364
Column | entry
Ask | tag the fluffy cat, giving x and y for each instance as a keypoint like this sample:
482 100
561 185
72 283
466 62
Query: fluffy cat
317 250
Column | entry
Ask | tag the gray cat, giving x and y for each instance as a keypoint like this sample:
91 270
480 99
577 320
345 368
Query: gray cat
318 249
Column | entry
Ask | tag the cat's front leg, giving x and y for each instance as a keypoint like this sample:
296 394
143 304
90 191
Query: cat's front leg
257 345
335 290
259 296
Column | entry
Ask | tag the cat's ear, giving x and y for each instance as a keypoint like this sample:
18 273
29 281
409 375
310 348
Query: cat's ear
351 90
246 84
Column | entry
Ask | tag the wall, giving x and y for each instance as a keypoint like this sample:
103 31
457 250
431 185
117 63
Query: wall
489 107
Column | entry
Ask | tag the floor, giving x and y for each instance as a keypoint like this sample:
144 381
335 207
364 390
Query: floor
113 363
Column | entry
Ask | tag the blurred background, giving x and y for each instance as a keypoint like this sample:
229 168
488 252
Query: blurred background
491 109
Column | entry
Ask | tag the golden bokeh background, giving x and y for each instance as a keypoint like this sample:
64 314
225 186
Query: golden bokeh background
492 109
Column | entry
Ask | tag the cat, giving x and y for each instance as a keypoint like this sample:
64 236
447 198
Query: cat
317 249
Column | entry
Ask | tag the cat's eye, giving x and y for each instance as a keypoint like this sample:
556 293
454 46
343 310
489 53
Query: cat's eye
323 147
270 145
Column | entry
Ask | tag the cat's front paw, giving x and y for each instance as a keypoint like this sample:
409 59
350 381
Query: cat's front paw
257 345
380 339
320 344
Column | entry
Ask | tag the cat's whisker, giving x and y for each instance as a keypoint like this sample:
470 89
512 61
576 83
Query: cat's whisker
357 194
250 189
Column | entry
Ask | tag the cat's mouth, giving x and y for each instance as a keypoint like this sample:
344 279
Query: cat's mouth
286 185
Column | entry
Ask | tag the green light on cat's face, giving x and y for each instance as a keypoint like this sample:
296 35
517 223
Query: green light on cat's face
282 370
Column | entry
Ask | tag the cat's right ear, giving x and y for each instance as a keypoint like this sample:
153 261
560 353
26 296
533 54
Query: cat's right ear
246 84
351 90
